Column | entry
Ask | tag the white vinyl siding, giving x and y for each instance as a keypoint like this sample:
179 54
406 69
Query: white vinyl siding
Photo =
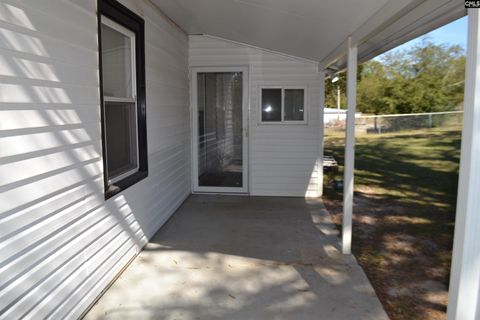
283 158
61 242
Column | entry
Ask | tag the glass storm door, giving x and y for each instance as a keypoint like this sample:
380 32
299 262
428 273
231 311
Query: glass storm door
219 133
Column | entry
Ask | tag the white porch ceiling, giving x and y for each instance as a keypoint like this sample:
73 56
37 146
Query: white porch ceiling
304 28
312 29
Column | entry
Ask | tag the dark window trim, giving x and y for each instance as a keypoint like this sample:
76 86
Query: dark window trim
123 16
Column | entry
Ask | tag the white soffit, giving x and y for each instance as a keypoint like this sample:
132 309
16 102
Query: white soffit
309 29
314 29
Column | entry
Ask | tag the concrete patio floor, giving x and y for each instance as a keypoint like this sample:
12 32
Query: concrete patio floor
234 257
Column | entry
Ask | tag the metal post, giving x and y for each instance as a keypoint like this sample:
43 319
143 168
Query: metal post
338 102
321 132
463 300
349 148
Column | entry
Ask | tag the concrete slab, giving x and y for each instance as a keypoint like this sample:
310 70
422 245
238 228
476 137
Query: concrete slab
233 257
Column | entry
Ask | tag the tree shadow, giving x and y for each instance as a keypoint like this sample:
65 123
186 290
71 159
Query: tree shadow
424 171
404 214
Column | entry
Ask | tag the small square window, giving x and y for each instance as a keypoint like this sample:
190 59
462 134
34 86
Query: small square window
294 105
271 105
283 105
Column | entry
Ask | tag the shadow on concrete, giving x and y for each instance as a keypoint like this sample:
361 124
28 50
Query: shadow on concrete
227 257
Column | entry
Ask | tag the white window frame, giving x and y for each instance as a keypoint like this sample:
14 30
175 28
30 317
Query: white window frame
194 128
133 99
282 116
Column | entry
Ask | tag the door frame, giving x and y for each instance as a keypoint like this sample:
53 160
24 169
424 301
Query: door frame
194 128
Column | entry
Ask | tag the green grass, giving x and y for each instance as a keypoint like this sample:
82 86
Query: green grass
404 212
417 167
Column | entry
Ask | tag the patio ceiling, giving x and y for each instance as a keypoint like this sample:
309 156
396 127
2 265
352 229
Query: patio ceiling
314 29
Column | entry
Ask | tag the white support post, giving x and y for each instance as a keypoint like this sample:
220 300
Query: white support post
321 132
465 273
349 148
338 102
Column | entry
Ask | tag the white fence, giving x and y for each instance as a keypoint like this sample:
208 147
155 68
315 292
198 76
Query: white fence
331 116
377 124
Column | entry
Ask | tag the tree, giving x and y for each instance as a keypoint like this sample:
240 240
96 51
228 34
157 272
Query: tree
428 77
371 90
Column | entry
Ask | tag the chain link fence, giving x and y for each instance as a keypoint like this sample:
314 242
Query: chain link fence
379 124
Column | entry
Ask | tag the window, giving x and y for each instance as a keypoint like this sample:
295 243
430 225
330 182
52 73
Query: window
294 105
271 105
122 74
283 105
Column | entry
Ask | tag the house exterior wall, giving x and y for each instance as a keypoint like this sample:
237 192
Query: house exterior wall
61 242
284 159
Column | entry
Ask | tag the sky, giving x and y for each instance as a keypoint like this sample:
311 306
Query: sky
452 33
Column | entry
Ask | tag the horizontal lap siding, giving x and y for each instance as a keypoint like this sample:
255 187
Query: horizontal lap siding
283 158
61 243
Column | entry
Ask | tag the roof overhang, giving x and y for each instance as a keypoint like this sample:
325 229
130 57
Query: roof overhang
316 30
416 19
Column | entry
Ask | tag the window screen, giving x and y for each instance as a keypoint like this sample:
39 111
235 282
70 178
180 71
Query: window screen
118 94
294 105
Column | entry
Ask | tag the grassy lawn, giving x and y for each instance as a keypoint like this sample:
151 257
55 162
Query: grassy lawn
405 194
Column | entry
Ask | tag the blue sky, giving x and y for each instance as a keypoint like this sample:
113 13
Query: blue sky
452 33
